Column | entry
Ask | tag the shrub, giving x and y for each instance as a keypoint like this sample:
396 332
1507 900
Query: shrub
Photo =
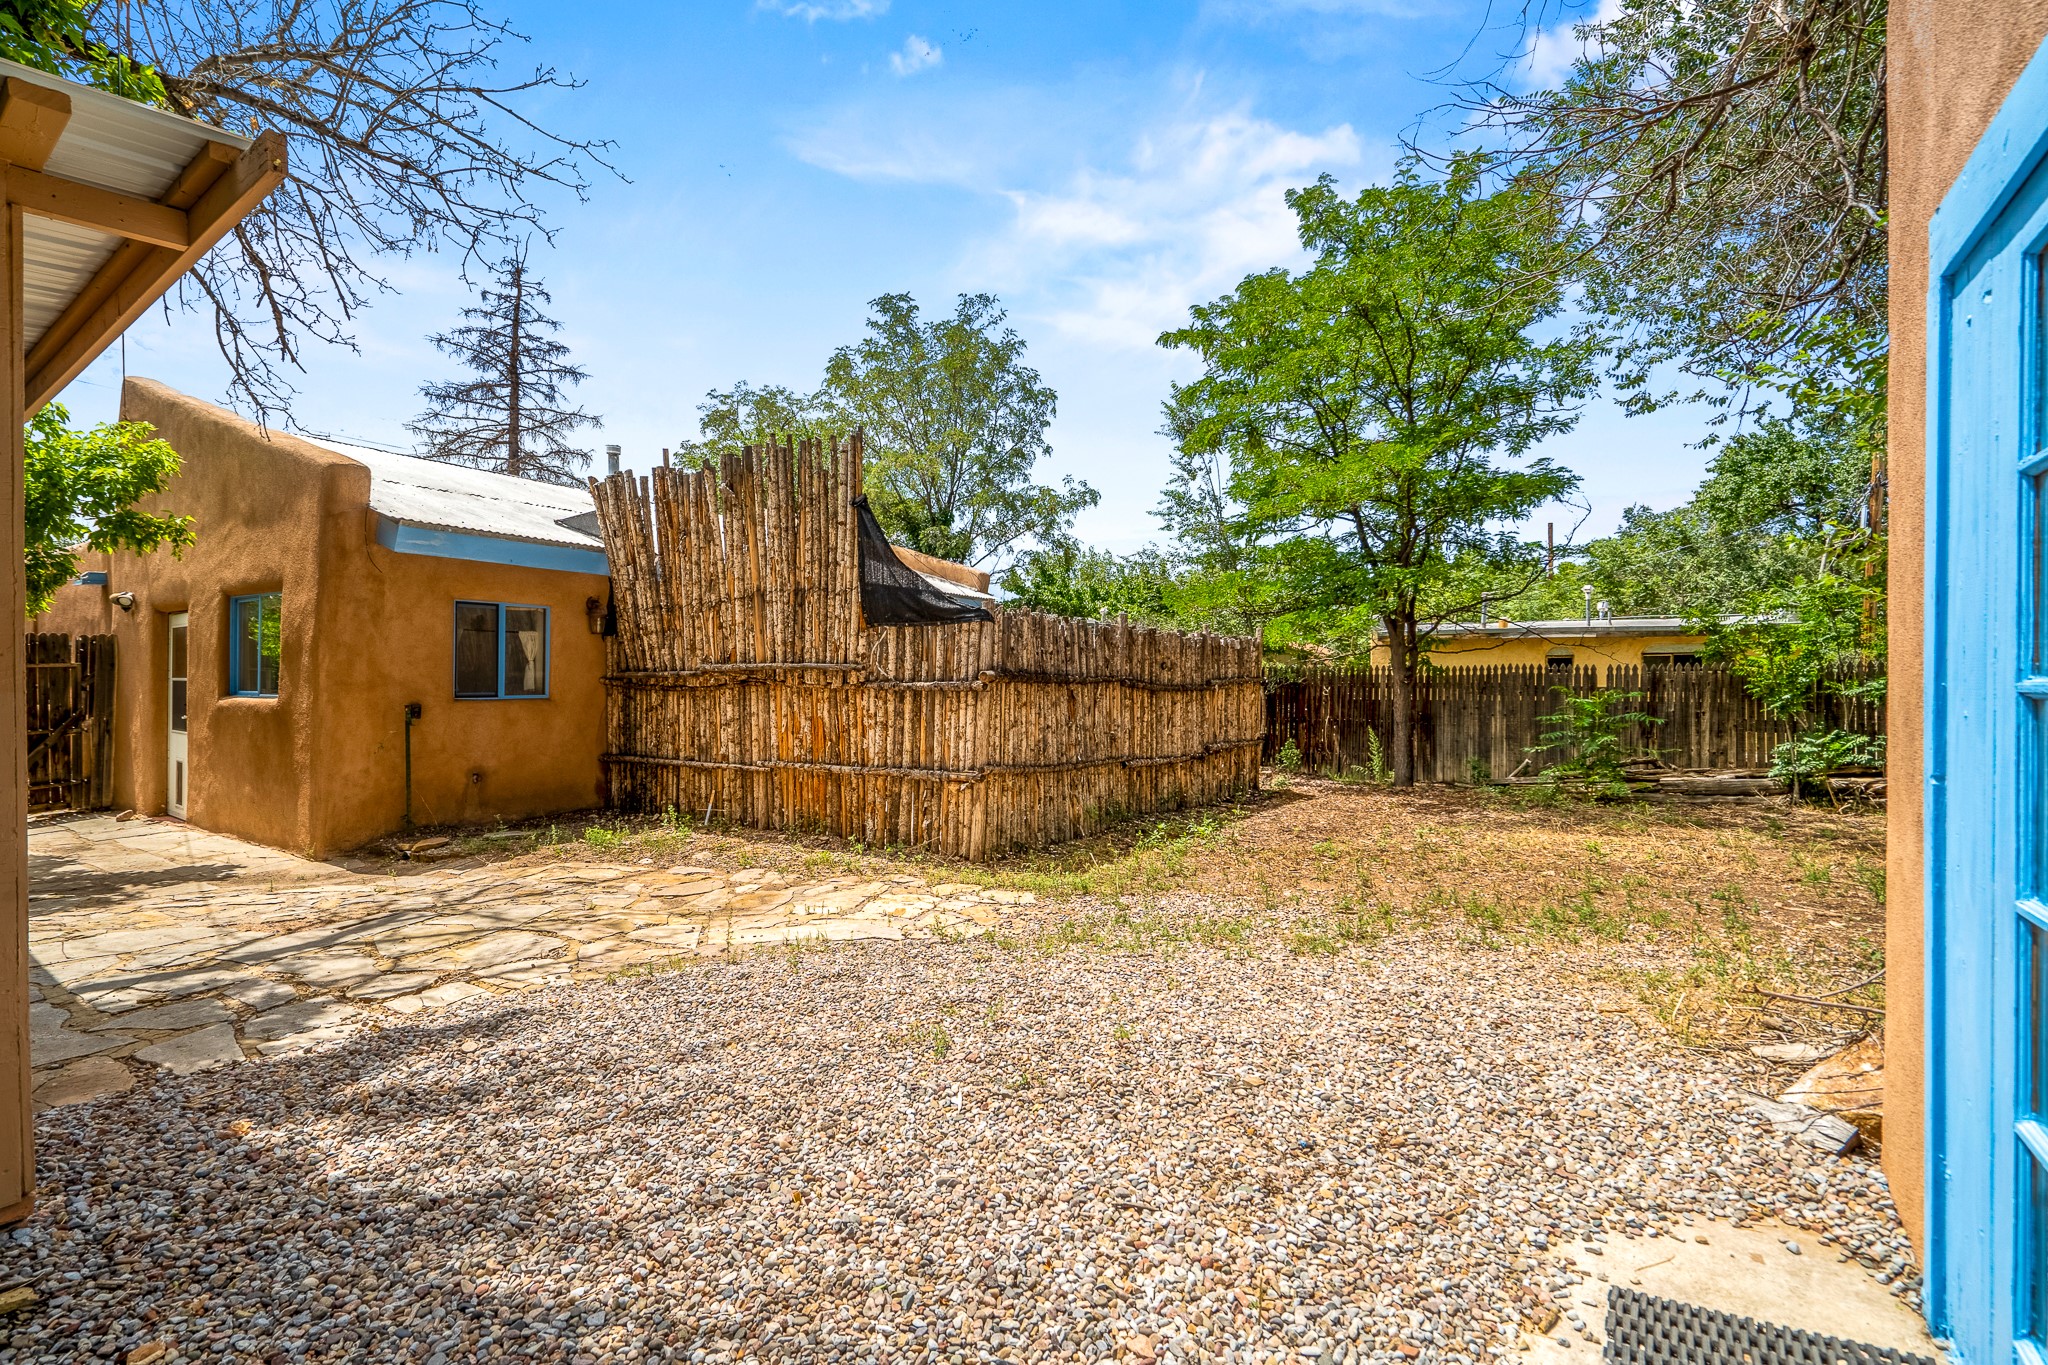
1592 730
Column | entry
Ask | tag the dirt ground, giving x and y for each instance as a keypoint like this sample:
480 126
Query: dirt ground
1347 1075
1683 908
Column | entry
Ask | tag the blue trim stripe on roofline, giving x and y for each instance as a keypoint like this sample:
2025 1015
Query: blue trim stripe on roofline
407 539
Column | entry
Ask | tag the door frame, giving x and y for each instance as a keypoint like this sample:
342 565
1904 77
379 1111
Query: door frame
1986 232
175 739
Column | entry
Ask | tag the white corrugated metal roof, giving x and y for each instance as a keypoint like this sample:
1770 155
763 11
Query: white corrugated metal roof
952 589
452 497
114 144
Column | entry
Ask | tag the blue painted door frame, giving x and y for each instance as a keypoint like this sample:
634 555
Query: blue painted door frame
1986 734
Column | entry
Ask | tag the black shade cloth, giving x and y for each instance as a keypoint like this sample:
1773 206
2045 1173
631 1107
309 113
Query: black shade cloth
894 594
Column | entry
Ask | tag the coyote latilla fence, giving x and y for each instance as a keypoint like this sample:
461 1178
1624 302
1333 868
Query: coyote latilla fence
70 721
745 683
1483 721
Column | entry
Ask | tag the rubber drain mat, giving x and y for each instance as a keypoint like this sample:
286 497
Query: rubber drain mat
1643 1330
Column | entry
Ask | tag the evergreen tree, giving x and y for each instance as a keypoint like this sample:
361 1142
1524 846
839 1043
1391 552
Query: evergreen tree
513 417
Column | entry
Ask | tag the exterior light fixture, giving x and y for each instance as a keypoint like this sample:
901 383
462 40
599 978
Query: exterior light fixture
124 600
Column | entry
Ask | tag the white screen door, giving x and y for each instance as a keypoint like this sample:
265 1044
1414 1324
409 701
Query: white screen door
180 768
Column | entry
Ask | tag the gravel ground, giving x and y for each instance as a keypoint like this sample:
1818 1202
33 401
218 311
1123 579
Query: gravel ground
933 1151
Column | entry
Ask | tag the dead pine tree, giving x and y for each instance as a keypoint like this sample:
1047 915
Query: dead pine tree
514 416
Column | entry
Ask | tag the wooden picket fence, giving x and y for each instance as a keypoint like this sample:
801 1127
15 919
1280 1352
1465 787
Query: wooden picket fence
745 684
70 721
1480 723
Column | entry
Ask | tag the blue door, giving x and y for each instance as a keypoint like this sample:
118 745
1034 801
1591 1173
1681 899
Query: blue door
1987 744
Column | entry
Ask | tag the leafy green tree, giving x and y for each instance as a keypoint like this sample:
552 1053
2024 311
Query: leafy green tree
1217 583
80 491
1788 640
955 423
54 36
1071 580
746 415
1377 410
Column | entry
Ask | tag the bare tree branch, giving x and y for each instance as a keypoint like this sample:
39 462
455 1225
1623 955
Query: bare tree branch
394 110
1730 159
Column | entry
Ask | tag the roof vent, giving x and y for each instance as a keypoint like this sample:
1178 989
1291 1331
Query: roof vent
611 459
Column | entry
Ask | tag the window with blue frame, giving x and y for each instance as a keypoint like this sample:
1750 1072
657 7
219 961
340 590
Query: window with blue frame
501 651
255 643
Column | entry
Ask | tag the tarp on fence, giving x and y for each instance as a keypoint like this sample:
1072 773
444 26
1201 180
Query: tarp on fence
894 594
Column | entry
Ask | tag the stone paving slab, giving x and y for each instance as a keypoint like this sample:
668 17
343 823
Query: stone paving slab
152 944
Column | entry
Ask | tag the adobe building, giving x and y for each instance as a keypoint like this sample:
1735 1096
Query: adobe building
268 679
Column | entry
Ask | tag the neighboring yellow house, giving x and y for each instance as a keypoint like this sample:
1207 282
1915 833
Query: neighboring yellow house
1601 642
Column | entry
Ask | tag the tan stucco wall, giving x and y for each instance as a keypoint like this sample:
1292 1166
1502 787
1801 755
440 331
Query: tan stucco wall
1951 63
1595 651
472 760
259 506
320 767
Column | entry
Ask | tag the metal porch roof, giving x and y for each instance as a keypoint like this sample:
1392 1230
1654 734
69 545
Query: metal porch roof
112 144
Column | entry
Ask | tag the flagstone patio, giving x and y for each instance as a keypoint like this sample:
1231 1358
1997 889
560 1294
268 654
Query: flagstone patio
155 945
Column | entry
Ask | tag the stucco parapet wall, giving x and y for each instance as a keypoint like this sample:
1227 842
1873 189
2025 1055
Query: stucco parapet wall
150 400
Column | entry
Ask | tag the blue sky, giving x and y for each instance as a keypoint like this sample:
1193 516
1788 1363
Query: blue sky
1099 165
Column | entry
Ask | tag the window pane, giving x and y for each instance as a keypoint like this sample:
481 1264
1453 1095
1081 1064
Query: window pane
2039 562
178 652
2033 861
269 641
526 651
2034 1306
476 649
178 705
2034 990
245 613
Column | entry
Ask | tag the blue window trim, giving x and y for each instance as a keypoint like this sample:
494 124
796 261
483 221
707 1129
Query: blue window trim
235 644
547 633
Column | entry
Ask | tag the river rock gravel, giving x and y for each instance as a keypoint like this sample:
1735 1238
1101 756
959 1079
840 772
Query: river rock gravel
933 1151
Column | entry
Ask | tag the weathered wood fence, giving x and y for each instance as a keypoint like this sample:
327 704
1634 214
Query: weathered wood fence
1482 721
745 683
70 721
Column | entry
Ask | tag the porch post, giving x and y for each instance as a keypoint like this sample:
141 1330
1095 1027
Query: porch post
17 1140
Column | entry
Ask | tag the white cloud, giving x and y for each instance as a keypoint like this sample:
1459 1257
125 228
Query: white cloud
811 11
916 56
1552 51
1120 214
1116 257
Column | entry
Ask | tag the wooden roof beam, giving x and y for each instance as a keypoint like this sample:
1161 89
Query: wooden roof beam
196 179
32 118
123 215
137 274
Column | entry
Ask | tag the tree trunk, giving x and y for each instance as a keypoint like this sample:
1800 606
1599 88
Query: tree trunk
1401 657
512 432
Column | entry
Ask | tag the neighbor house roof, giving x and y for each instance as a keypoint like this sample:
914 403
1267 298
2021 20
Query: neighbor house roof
430 507
1610 627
